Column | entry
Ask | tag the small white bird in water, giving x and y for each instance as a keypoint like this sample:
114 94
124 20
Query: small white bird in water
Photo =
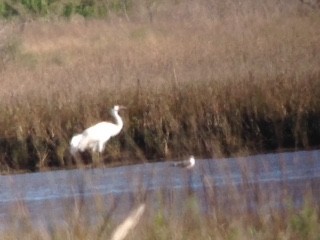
188 164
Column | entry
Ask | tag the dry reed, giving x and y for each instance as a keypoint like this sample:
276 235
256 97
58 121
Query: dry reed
205 77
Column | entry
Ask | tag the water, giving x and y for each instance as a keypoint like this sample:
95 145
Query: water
49 197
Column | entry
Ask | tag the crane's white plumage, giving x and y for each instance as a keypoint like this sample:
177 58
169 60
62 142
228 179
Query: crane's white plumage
95 137
189 163
74 143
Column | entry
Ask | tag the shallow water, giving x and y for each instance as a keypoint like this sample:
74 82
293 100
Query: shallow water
237 184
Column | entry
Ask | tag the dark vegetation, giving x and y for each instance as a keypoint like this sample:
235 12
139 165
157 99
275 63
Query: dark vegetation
55 8
211 78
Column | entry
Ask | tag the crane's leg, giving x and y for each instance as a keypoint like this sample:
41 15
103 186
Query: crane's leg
95 158
97 154
101 149
94 151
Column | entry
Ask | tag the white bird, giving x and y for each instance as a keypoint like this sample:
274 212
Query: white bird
188 164
74 143
95 137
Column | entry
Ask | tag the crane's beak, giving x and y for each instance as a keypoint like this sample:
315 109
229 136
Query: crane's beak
122 107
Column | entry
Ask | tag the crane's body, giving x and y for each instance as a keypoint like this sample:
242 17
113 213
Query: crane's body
188 164
74 143
95 137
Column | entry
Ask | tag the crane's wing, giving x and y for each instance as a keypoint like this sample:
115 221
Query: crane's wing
102 130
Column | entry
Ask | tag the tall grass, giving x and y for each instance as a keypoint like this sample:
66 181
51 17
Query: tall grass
250 210
206 77
302 224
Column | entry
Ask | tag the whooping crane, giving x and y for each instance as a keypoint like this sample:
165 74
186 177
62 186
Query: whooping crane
188 164
95 137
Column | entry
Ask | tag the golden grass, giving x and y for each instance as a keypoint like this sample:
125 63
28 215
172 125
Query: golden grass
204 77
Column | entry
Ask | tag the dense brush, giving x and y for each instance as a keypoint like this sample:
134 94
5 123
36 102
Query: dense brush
222 79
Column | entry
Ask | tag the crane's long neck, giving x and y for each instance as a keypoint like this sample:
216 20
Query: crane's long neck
118 120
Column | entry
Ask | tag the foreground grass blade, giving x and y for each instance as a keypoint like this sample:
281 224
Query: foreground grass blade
129 223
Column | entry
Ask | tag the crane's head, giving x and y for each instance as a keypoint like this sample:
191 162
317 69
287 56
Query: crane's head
116 108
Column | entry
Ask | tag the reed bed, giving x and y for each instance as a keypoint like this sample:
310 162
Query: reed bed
210 78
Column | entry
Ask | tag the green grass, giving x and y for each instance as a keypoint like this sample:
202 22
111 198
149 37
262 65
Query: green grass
30 9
